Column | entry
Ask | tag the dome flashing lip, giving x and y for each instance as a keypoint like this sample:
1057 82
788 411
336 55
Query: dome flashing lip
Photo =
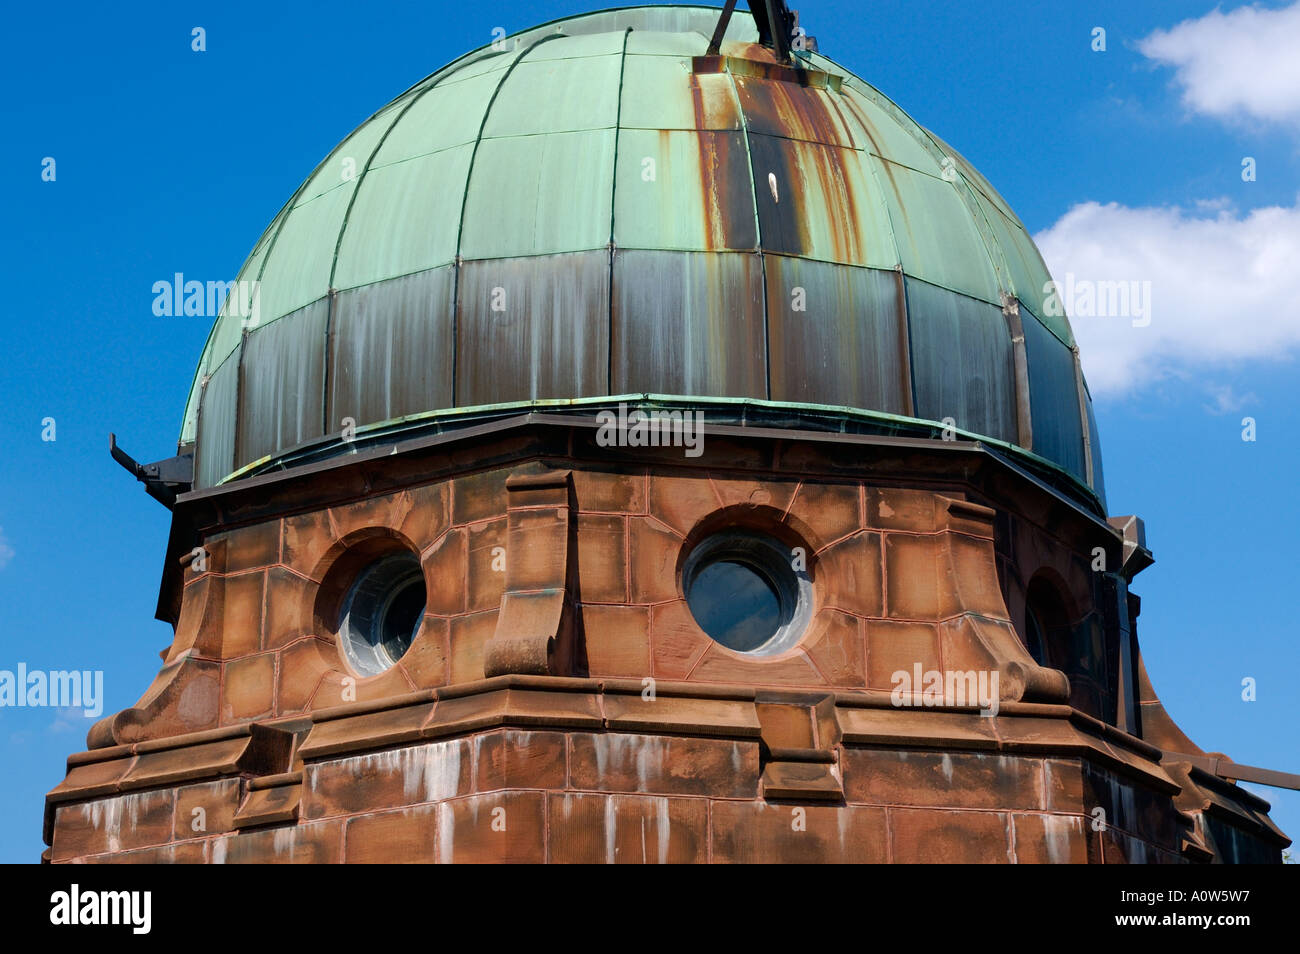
733 416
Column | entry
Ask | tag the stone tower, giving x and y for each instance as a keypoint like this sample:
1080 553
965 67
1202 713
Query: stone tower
641 441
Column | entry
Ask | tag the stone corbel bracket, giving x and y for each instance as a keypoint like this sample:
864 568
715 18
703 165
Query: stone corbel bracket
967 564
185 695
536 631
800 748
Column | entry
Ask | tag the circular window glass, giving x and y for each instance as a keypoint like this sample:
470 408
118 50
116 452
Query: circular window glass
748 592
382 613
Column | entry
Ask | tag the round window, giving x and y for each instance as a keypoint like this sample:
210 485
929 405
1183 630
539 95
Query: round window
382 613
748 591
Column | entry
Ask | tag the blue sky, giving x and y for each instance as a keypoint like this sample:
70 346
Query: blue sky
1125 164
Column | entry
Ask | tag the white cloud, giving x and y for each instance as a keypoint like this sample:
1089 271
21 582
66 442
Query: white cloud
1224 288
1235 65
68 719
6 551
1225 399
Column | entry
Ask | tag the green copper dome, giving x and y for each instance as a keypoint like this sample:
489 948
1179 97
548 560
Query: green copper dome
596 208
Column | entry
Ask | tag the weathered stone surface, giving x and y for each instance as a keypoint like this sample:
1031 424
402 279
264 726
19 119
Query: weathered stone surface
1051 839
185 853
248 688
919 836
445 565
680 502
488 563
663 765
914 577
836 646
288 613
318 844
676 641
270 806
850 574
602 559
389 779
405 837
758 832
829 511
609 492
654 553
723 665
469 636
206 809
506 827
242 613
478 497
514 759
942 779
626 829
617 640
894 647
250 548
113 824
802 781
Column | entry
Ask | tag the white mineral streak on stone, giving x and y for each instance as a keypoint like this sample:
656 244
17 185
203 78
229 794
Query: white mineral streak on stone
602 744
416 764
735 757
664 826
106 816
947 767
283 840
1058 829
1140 850
476 747
611 826
446 833
644 858
429 772
649 753
219 851
1121 796
444 781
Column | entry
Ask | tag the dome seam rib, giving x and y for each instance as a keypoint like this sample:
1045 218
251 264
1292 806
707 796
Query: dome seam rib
278 224
361 179
904 308
338 244
758 234
923 138
613 206
464 202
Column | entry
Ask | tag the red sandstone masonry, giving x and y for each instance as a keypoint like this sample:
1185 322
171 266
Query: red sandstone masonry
484 798
595 773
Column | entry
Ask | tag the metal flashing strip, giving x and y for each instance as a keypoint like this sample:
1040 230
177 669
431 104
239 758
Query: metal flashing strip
360 455
749 411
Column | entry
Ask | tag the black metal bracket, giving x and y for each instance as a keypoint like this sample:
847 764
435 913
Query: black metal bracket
776 24
715 44
162 479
